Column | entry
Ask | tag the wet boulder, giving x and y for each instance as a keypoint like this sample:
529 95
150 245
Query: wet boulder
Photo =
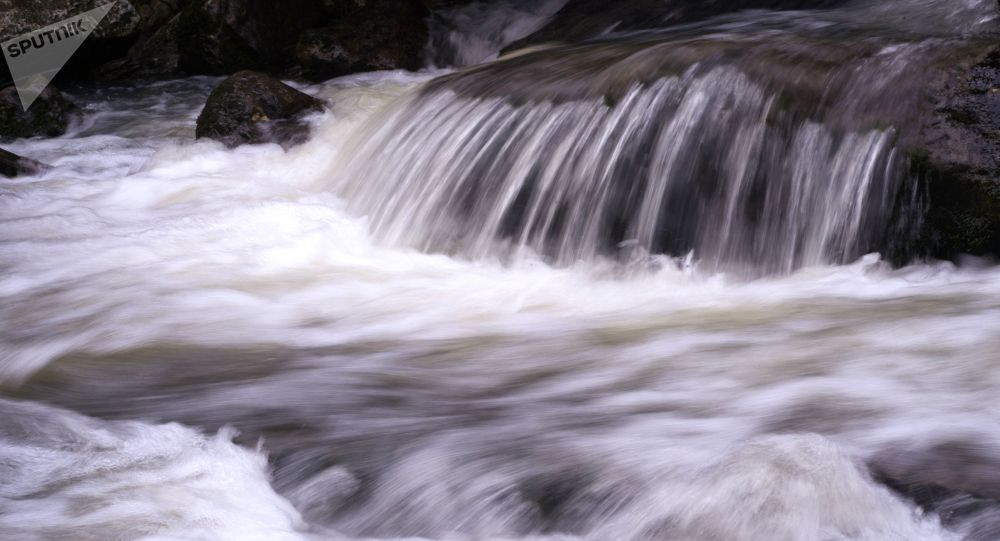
957 155
251 107
48 116
12 165
375 36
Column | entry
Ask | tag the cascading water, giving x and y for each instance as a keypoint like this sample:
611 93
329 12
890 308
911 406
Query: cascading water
658 144
418 324
693 162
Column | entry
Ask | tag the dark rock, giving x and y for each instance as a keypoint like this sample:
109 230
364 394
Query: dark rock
384 35
112 38
155 13
22 16
218 37
166 38
155 52
955 465
155 55
958 155
251 107
48 116
580 20
956 479
12 165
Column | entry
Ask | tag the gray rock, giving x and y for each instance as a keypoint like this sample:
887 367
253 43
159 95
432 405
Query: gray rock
325 493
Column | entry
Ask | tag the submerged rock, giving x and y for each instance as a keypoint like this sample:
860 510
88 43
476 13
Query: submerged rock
958 479
12 165
251 107
960 465
48 116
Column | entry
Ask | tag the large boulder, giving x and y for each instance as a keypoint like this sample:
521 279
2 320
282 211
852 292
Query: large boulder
12 165
251 107
958 155
48 116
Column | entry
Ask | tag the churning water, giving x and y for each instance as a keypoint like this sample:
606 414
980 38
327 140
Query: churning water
628 298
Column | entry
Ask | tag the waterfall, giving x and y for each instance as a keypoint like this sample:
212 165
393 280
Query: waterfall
707 160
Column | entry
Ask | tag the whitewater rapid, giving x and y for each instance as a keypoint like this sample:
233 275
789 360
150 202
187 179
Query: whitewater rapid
385 393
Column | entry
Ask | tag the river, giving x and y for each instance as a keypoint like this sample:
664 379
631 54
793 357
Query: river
314 344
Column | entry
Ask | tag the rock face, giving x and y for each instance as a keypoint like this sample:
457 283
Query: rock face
327 38
157 38
358 41
222 36
12 165
21 16
48 116
958 155
251 107
129 22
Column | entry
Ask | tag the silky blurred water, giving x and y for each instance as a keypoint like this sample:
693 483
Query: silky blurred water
202 343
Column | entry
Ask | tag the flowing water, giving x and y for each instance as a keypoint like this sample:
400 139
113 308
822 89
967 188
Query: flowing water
616 291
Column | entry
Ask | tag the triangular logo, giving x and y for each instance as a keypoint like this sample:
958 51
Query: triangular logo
36 57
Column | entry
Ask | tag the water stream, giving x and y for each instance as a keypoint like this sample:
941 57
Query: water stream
623 290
